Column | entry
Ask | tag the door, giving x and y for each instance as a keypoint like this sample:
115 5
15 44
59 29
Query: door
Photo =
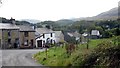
31 42
39 43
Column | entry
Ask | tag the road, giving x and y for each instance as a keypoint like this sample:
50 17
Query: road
19 57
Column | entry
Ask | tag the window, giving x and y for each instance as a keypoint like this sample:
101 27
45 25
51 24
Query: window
26 43
51 34
9 40
51 41
26 34
43 35
9 33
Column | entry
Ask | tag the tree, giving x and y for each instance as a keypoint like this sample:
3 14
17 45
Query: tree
48 26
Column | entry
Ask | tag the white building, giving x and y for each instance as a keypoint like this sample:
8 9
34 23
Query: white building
43 36
95 34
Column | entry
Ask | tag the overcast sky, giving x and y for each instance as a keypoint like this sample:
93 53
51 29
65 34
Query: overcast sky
54 9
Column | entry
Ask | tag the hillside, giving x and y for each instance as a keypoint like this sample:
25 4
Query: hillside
4 20
64 22
31 20
110 14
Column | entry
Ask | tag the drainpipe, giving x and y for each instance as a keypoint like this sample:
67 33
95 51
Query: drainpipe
19 38
2 40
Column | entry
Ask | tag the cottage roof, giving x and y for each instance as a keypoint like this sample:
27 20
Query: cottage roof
43 30
8 26
85 34
58 33
73 34
26 28
95 32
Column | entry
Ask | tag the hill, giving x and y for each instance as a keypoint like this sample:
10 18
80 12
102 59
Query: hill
64 22
4 20
111 14
31 20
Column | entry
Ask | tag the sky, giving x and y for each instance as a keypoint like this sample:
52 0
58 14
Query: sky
54 9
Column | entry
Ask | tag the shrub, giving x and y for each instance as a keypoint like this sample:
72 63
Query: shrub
106 54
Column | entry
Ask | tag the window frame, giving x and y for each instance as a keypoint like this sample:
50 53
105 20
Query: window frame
26 34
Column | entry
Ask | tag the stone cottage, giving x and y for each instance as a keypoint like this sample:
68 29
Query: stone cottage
9 35
27 36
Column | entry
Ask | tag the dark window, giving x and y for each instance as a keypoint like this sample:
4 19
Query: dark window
9 33
17 40
26 34
43 41
51 41
9 40
51 34
43 35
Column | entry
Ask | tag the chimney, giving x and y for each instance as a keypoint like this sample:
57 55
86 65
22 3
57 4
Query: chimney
12 21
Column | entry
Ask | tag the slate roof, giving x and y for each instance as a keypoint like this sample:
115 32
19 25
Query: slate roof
43 30
58 33
73 34
26 28
8 26
85 34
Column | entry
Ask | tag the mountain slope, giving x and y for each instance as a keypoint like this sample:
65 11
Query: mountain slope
31 20
108 15
63 22
111 14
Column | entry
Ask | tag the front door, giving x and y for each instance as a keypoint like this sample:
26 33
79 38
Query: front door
39 43
31 42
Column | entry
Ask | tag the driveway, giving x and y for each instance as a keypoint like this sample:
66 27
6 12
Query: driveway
19 57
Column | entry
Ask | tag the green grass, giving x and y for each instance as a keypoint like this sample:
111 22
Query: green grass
57 56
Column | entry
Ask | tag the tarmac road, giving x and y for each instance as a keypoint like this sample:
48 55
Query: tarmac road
19 57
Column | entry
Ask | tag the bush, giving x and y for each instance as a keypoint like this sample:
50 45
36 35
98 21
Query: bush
106 54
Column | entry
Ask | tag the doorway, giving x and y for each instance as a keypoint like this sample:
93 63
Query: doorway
32 43
39 43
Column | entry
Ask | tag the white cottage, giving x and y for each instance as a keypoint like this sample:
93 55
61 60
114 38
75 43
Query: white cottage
43 36
95 34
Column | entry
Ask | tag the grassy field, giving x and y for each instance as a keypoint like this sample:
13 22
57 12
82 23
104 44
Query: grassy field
57 56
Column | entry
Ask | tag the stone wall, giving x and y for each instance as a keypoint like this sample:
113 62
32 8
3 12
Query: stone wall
13 37
31 36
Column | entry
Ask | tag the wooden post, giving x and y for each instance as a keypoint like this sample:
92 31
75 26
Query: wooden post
88 42
46 51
